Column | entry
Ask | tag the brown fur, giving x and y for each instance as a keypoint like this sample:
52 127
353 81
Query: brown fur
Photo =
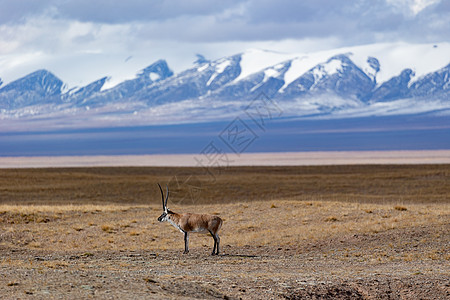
200 223
195 222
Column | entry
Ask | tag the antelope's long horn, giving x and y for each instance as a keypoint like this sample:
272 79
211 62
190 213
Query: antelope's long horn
162 197
167 195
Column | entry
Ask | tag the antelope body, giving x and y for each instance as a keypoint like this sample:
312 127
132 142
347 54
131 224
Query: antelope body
187 222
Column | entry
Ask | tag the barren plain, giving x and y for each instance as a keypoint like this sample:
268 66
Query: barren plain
290 232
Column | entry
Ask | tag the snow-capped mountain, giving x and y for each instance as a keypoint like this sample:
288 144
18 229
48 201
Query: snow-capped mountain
435 83
338 75
338 83
127 90
39 87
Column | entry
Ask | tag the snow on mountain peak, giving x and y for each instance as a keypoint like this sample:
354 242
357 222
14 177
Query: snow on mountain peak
219 68
255 60
157 71
329 68
380 62
271 72
154 76
394 58
222 65
302 64
203 67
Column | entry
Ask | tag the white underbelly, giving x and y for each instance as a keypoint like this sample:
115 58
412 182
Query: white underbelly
200 230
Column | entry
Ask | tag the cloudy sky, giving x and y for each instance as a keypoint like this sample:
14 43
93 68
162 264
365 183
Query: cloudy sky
80 40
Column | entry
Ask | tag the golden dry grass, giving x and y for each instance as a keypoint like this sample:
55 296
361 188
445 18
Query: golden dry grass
122 227
102 208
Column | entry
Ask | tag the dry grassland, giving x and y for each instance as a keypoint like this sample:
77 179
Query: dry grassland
352 183
88 228
298 232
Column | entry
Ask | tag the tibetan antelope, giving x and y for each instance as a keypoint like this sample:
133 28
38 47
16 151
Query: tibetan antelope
187 223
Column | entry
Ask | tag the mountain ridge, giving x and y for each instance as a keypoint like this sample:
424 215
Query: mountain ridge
328 84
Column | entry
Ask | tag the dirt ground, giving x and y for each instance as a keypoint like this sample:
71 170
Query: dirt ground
319 270
326 246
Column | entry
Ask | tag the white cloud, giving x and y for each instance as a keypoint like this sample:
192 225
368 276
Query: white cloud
413 7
